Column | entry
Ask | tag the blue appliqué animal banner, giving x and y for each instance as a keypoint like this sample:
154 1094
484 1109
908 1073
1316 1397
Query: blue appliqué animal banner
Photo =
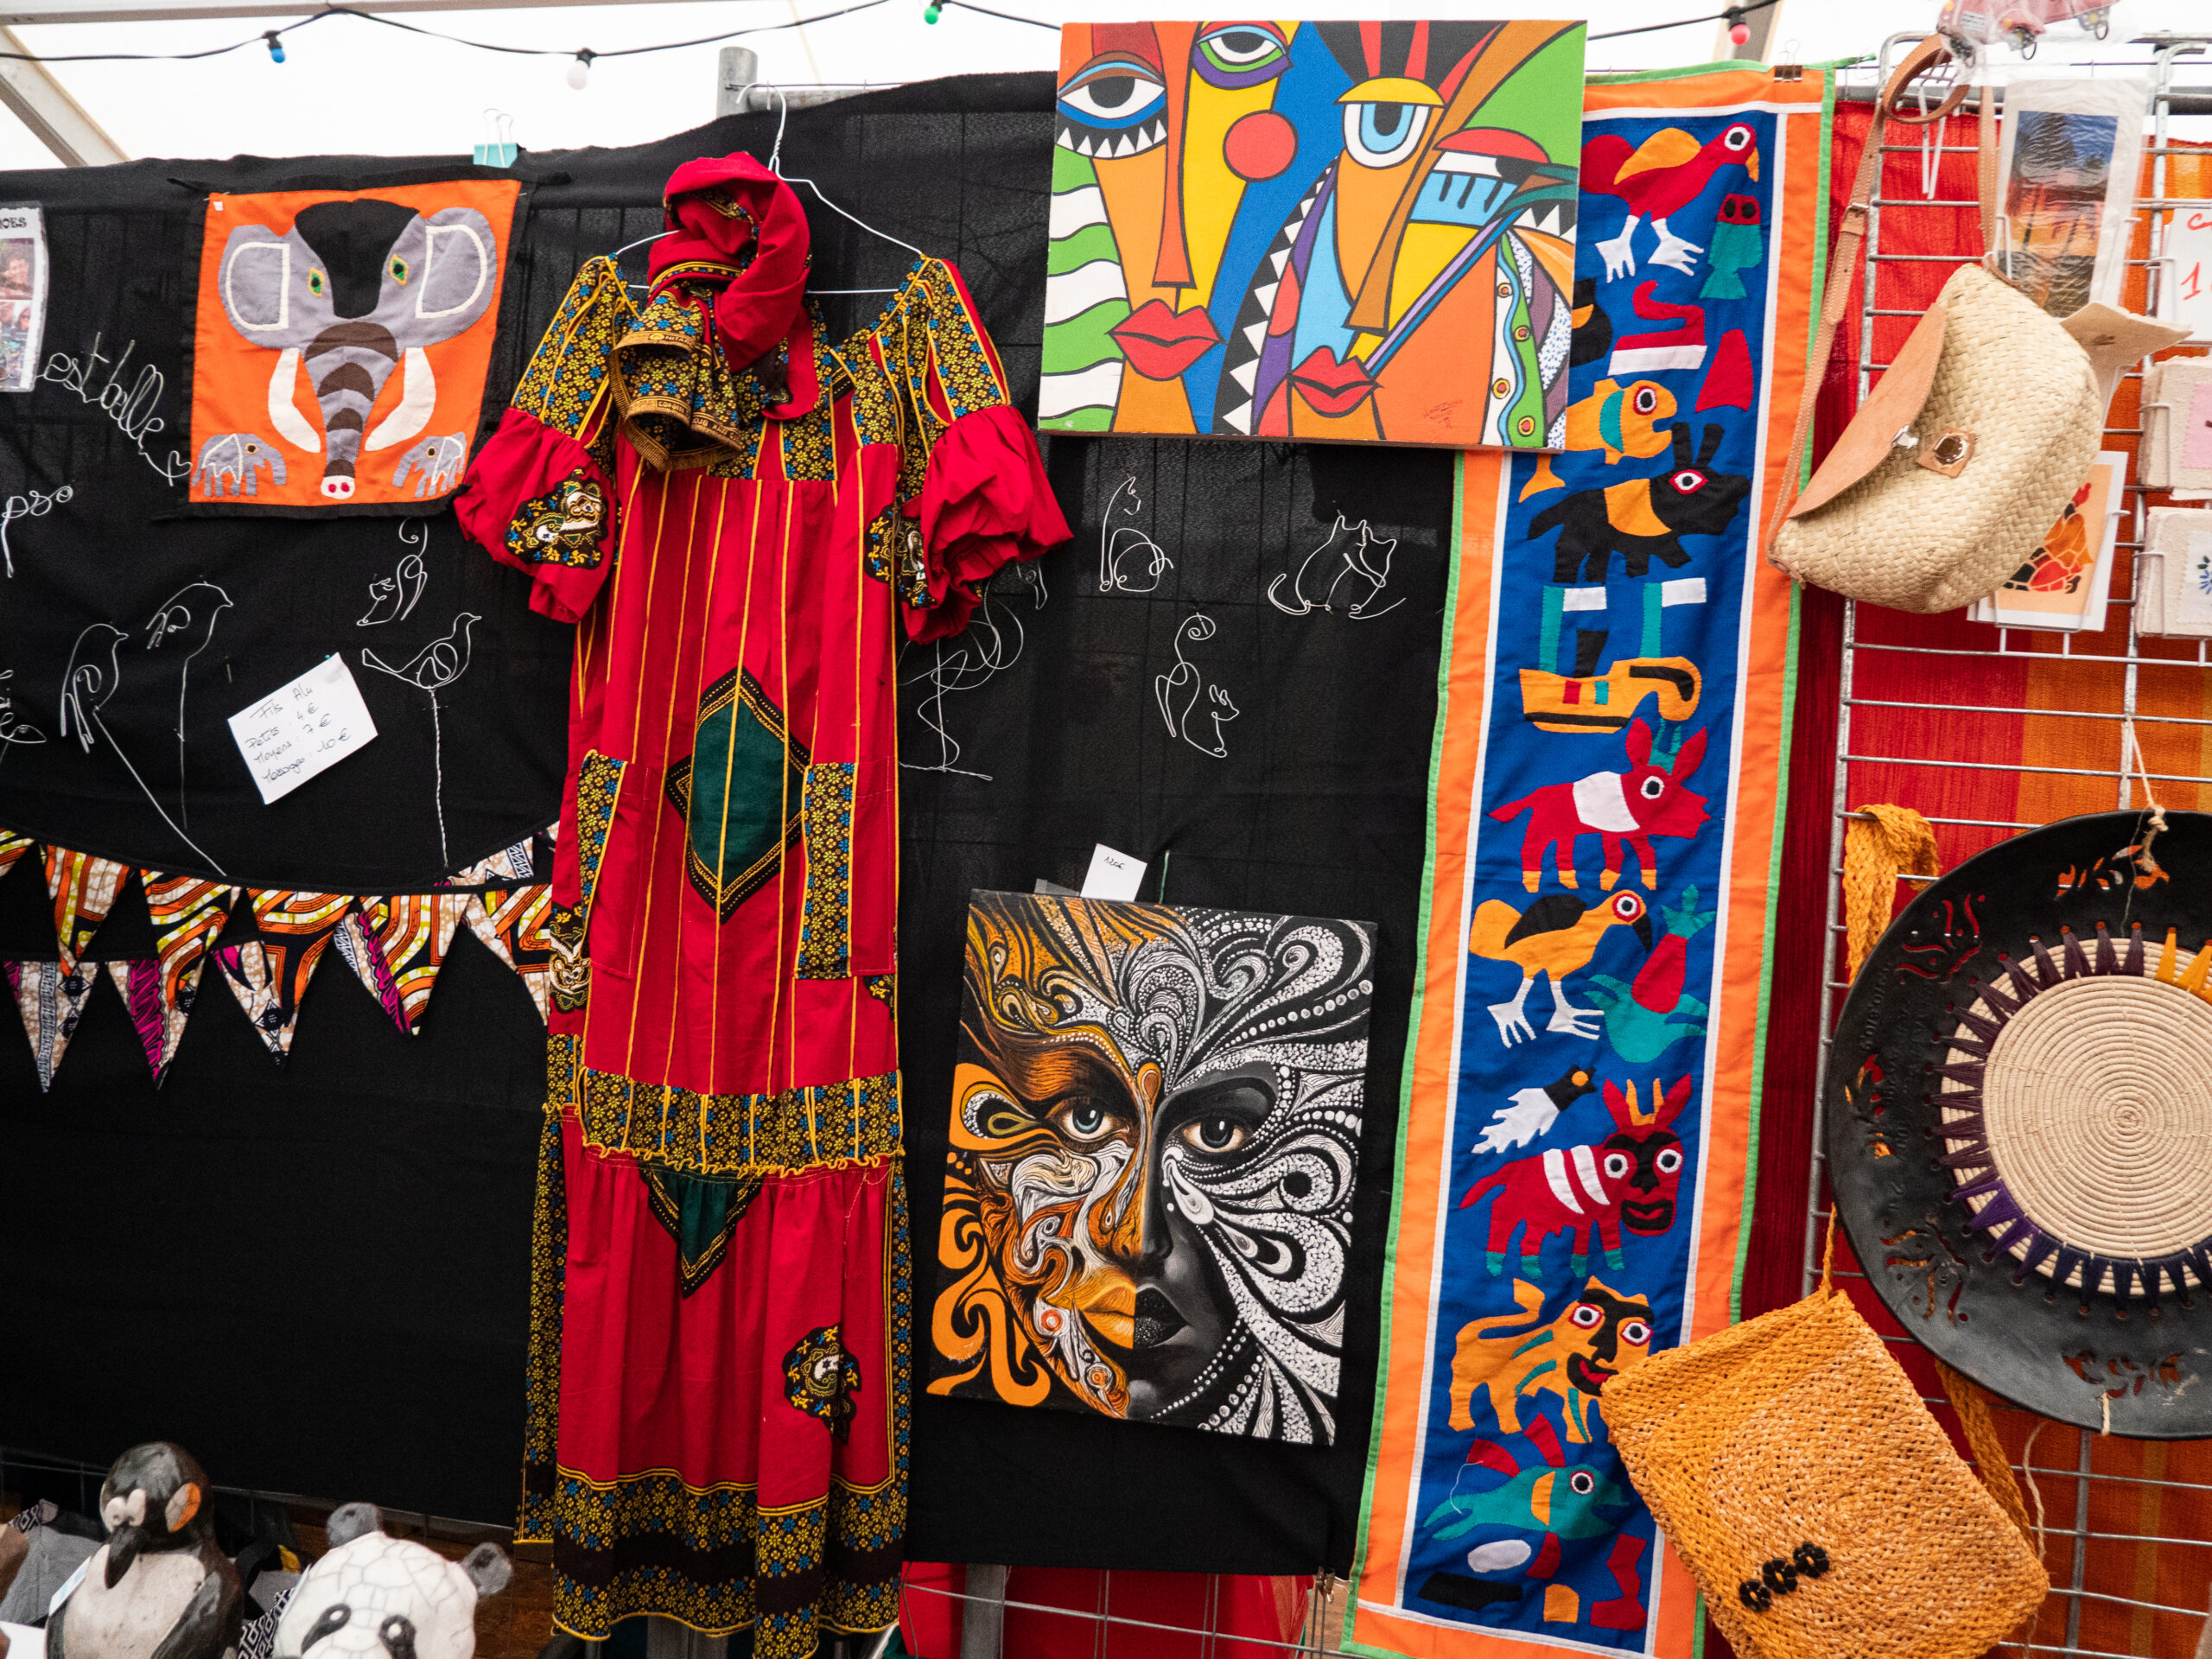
1577 1139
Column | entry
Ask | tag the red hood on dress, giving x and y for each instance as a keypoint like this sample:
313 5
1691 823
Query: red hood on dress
731 220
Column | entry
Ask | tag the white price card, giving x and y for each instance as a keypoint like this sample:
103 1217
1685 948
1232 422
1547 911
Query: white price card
302 728
2187 284
1112 875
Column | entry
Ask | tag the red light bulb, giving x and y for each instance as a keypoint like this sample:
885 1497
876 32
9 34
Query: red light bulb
1740 33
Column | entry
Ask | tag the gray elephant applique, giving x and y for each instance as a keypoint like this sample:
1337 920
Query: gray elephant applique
232 462
435 462
353 291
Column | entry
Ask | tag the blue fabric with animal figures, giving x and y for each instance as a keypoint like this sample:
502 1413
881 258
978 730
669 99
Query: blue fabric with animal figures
1579 1124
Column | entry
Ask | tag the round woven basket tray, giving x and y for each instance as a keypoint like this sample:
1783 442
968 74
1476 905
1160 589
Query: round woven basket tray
2020 1123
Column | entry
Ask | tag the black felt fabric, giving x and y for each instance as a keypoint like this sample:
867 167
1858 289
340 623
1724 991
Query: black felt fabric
316 1277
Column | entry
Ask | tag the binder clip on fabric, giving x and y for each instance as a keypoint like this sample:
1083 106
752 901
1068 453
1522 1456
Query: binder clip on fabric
497 148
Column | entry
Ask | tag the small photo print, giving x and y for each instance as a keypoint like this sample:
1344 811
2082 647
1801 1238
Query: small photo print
2063 584
22 295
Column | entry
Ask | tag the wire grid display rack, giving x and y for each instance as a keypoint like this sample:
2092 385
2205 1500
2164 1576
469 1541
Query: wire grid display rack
2126 1526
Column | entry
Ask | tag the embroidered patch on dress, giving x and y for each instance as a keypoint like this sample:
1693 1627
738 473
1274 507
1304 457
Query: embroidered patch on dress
825 927
700 1212
820 1378
743 775
563 526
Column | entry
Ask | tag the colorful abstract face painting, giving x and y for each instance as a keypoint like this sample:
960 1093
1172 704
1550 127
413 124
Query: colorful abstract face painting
1340 232
341 344
1155 1123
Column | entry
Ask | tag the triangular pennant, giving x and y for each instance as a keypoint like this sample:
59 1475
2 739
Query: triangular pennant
12 846
511 925
508 864
287 910
270 979
396 946
83 887
256 974
188 916
50 996
140 982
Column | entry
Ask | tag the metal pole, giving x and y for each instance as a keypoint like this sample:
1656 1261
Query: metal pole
54 119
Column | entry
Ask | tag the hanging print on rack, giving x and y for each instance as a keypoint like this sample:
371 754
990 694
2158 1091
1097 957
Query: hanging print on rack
1341 231
1574 1166
1155 1120
340 343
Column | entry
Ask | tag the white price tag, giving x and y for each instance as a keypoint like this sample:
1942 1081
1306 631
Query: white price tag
1113 875
302 728
2189 278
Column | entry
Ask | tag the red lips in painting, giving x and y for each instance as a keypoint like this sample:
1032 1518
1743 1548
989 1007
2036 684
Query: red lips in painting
1161 342
1333 387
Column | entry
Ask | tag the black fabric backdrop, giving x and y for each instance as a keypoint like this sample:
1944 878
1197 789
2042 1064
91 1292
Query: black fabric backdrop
316 1277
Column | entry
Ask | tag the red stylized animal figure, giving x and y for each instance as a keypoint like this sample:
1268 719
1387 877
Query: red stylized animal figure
1628 1179
1618 807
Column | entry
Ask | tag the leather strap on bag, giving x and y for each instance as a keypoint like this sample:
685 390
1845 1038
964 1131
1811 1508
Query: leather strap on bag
1843 257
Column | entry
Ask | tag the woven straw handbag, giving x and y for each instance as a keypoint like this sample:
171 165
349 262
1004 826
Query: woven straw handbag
1823 1511
1961 461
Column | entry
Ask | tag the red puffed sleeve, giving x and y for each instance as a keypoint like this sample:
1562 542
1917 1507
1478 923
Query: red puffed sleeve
540 495
984 500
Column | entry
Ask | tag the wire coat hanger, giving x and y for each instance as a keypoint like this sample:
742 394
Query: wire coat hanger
775 165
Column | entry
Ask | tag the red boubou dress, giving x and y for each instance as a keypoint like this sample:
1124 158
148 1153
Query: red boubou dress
733 512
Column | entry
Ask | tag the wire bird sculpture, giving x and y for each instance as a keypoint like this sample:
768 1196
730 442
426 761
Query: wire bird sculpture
430 670
86 684
392 598
175 616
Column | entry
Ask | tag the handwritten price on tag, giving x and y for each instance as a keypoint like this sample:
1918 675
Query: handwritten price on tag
302 728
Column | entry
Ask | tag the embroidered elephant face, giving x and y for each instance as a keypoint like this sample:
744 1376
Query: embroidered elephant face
353 291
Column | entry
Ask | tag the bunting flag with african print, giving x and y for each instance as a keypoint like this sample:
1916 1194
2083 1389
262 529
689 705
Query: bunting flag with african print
188 915
50 996
508 864
511 925
397 945
83 887
1575 1162
12 846
269 976
255 971
140 983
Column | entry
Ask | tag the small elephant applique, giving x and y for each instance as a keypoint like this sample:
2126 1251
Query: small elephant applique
355 291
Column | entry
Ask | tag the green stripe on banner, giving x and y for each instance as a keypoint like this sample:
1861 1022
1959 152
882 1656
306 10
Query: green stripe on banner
1085 341
1097 418
1093 242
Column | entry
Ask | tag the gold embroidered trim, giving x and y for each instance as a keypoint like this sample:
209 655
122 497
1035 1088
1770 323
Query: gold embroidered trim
825 1126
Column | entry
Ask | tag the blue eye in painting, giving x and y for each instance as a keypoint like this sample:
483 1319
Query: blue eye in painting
1381 133
1239 54
1386 118
1114 106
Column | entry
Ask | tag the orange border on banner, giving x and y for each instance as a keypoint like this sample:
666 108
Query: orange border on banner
1375 1623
